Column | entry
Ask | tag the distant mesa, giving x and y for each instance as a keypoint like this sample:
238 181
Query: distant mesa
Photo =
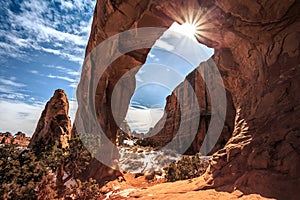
19 139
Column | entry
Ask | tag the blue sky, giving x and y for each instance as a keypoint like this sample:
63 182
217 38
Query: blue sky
42 45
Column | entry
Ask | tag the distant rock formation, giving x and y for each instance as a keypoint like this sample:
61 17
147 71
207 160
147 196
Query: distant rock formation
54 123
167 127
19 139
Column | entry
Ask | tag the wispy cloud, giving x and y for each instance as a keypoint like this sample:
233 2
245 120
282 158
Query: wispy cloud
73 105
14 120
141 119
164 45
53 32
70 57
34 71
73 73
13 96
11 82
65 78
73 85
73 76
11 89
40 25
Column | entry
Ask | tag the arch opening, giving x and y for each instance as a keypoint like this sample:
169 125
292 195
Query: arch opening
162 72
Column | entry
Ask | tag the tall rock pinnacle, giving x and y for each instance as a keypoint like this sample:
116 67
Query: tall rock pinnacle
54 123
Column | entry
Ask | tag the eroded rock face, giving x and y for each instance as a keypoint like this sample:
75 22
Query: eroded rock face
167 127
54 123
257 52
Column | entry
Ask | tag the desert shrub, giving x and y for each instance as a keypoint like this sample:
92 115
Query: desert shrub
43 171
186 168
20 172
47 188
87 190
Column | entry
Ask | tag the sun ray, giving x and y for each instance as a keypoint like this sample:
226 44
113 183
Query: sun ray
196 23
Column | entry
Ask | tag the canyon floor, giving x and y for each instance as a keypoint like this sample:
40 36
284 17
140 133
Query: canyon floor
140 188
135 184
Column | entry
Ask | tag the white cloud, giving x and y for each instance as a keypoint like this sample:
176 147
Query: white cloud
151 55
73 73
11 83
65 70
66 4
11 50
72 109
13 96
5 89
164 45
70 57
43 27
48 33
13 120
34 72
62 78
53 51
73 85
11 89
143 119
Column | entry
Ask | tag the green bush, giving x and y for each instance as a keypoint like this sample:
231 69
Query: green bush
186 168
20 173
87 190
43 171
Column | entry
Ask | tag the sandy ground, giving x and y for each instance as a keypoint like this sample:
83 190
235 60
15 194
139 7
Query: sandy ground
140 188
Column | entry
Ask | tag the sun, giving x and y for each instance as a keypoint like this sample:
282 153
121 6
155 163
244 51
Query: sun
195 23
189 29
185 29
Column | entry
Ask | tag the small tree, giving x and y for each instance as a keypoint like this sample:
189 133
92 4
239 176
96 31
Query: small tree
20 172
47 188
42 172
65 163
186 168
88 190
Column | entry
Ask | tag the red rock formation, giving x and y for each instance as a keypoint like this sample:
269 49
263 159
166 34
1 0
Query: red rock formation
257 52
167 127
19 139
261 64
6 138
54 123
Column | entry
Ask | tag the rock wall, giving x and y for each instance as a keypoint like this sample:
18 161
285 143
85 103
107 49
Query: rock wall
167 127
54 123
257 52
260 64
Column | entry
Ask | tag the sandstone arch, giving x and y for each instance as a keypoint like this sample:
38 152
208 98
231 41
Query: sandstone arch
257 52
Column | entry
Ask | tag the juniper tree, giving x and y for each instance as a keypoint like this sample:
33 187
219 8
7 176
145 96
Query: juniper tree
20 173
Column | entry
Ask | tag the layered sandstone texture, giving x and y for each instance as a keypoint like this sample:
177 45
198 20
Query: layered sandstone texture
54 123
257 53
180 99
